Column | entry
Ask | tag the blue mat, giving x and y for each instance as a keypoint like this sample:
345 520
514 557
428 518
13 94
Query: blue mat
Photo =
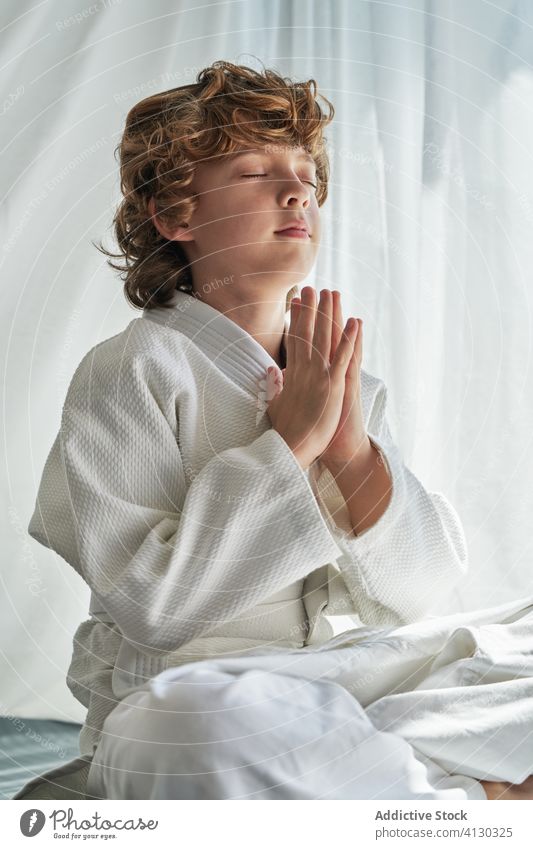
29 747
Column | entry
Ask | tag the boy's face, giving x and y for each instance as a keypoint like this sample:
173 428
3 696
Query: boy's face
244 198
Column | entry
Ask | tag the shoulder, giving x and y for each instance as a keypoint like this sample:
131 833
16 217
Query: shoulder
143 347
143 361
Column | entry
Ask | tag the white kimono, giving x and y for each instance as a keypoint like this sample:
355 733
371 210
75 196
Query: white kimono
201 537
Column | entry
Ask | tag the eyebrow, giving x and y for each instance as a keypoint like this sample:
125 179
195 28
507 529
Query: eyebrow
233 156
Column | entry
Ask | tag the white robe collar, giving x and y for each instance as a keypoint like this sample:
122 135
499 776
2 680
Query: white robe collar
227 344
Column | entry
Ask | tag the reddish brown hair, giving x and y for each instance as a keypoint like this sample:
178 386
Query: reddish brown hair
167 133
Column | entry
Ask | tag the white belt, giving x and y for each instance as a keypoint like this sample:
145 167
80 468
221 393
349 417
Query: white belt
315 599
270 621
98 611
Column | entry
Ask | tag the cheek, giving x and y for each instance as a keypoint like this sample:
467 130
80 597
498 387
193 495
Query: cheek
241 200
249 211
235 225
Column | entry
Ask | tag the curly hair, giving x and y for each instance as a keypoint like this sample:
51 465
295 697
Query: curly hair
166 134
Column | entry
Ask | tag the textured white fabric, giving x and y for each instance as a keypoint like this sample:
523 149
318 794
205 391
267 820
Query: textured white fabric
203 732
190 518
291 724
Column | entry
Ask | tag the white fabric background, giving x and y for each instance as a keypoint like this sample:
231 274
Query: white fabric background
427 232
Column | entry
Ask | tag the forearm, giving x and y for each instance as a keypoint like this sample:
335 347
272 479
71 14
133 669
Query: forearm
365 485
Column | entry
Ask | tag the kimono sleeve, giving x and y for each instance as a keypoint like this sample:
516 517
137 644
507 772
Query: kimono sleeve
170 559
395 570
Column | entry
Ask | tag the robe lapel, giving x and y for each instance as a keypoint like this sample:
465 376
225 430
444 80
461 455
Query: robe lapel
228 346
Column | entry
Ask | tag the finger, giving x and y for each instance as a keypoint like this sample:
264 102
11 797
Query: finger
295 306
306 323
274 383
343 354
358 346
359 341
353 370
322 334
338 322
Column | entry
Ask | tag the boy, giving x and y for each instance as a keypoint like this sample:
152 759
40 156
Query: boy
217 541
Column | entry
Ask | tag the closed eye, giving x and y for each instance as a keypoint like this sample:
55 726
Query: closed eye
266 175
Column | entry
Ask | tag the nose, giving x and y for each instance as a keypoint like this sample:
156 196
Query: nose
293 192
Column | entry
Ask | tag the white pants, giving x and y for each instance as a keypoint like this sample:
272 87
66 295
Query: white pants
199 732
421 711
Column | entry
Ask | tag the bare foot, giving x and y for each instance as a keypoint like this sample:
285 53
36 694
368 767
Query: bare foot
506 790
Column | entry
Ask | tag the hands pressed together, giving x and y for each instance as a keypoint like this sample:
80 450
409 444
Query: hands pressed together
317 408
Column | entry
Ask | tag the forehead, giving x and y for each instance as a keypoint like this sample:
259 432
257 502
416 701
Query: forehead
226 160
271 150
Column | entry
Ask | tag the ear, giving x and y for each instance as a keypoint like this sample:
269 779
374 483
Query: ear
181 233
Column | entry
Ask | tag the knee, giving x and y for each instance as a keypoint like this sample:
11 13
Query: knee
168 738
206 705
201 706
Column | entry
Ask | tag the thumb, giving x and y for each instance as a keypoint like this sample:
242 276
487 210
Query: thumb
274 382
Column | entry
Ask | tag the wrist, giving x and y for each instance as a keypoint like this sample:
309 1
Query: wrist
300 456
364 453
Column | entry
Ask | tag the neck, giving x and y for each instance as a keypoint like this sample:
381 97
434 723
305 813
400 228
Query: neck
264 320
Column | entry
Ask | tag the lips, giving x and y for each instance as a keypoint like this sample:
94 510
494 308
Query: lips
293 234
295 228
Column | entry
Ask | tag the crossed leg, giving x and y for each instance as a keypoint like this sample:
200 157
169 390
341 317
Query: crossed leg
202 733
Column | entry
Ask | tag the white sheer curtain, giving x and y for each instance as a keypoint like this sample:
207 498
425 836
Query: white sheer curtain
427 232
